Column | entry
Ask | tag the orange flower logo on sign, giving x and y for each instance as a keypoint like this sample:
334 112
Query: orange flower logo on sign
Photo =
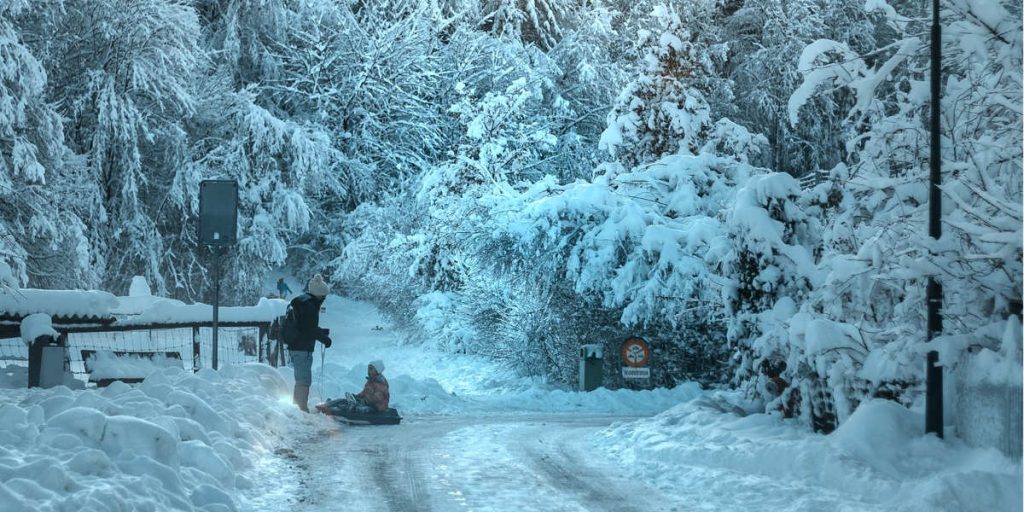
635 352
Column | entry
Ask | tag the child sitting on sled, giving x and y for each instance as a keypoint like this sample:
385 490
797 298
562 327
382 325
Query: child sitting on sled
375 394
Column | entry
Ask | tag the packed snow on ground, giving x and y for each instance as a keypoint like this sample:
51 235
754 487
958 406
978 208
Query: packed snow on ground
221 441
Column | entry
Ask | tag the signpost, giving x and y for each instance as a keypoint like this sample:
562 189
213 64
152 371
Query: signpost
218 228
933 372
635 355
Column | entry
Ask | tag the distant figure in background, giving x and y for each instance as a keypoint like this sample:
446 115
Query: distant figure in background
306 310
282 288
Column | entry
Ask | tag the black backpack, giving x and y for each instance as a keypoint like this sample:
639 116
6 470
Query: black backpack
284 328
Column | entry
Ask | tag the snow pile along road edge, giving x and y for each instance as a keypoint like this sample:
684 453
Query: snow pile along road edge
178 440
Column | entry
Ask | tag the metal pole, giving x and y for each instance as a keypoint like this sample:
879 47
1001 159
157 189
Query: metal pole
933 398
195 349
216 300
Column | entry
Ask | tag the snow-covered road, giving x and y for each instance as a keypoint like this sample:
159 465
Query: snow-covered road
536 462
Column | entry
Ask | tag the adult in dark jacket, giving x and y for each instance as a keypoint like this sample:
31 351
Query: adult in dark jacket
306 308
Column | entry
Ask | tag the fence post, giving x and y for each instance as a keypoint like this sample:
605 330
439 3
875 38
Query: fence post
260 339
195 349
35 357
62 340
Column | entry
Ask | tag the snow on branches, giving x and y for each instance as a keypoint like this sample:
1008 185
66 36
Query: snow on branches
861 332
663 110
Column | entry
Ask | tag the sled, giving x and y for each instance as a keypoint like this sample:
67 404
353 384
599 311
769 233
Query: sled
339 410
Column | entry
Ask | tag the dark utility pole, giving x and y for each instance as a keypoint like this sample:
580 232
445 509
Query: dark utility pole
933 399
216 302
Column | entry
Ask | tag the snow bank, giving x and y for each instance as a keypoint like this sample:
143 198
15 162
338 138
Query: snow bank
177 441
413 392
711 453
428 382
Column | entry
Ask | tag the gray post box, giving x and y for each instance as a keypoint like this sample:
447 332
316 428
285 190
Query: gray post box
47 362
591 367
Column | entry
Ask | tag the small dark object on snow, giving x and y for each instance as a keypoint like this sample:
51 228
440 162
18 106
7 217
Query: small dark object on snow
342 410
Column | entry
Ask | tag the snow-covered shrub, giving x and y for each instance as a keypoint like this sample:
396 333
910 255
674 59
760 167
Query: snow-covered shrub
437 315
640 245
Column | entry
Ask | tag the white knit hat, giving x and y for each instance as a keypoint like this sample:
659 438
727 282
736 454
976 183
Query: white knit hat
317 286
378 364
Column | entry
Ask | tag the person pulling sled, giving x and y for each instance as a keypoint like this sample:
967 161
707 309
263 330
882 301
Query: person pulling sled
300 331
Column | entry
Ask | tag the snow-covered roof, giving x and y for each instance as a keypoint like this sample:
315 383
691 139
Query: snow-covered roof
139 305
56 303
174 312
140 308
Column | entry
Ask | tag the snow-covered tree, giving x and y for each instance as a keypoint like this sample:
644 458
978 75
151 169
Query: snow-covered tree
765 41
664 109
42 237
123 70
591 70
538 22
771 269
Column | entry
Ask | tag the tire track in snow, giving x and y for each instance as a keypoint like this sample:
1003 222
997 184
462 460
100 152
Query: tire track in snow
492 464
565 472
399 478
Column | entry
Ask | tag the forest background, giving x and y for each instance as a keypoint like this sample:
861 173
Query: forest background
515 178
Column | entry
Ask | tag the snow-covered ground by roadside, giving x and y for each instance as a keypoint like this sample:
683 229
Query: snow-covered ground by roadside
219 441
711 455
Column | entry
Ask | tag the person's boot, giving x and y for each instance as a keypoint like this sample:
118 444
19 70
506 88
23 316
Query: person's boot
301 397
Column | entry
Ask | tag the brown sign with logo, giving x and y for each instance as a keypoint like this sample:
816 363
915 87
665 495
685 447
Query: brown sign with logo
635 352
